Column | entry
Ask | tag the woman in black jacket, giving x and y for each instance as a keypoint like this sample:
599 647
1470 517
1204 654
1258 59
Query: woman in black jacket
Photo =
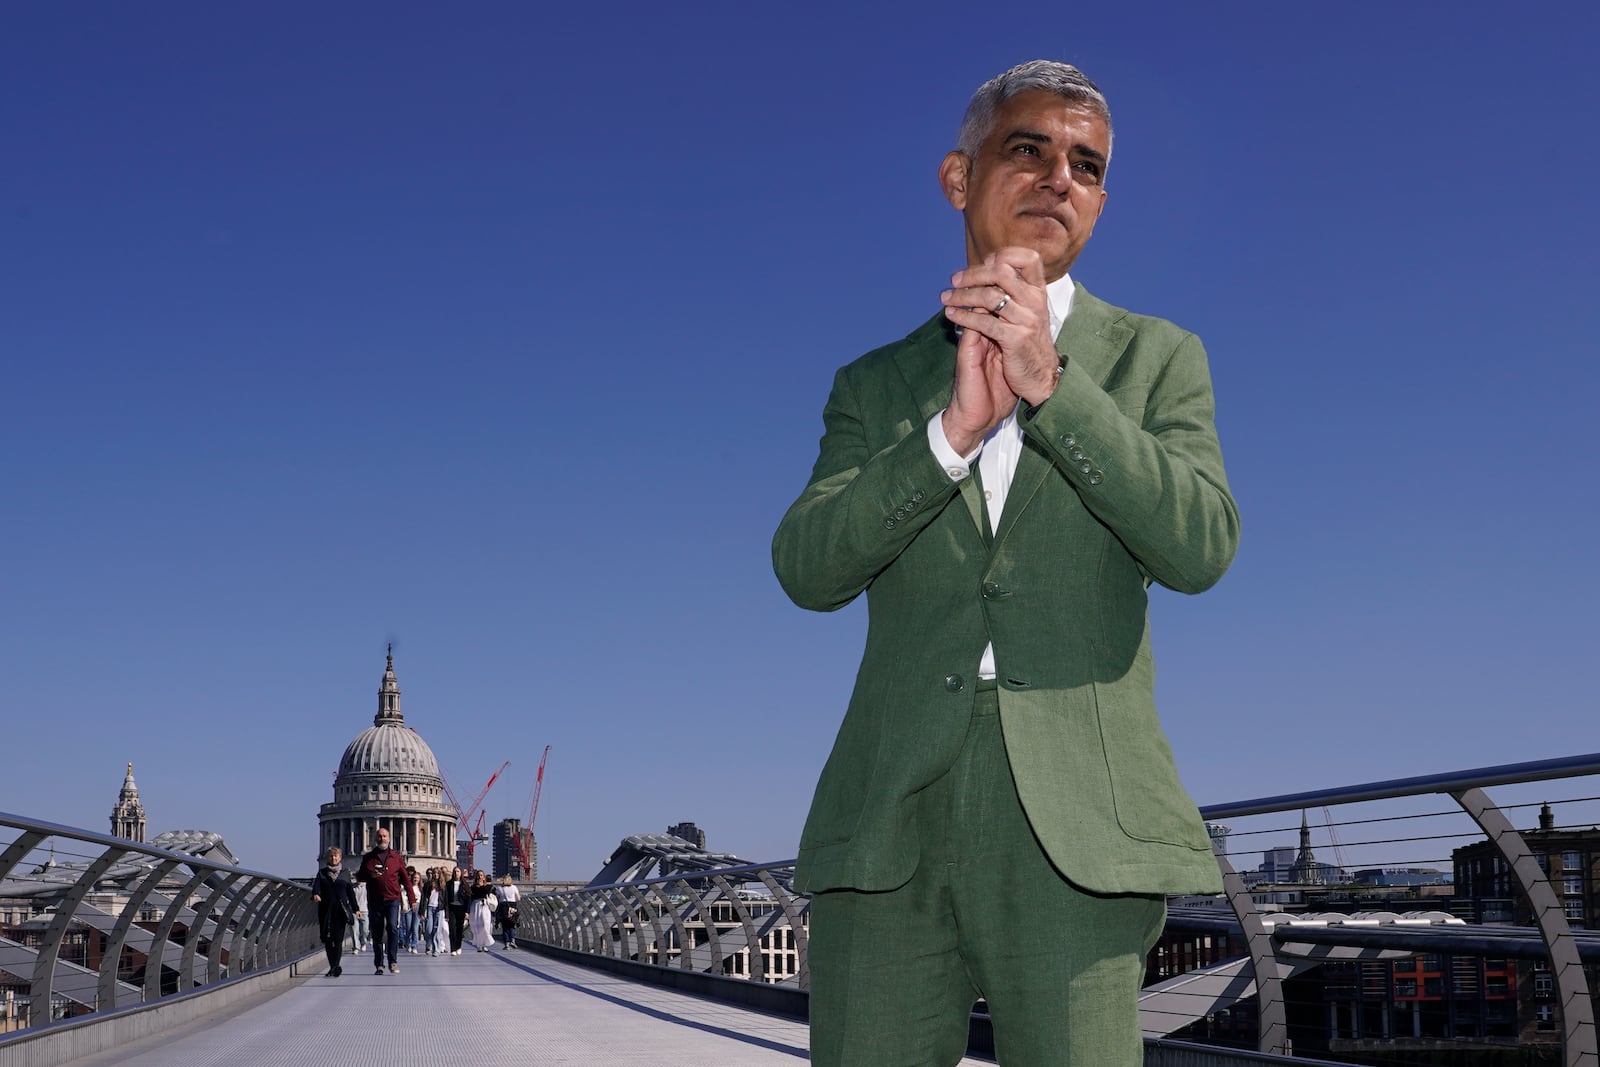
335 897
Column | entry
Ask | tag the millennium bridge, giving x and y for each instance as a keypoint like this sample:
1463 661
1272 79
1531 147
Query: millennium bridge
1429 920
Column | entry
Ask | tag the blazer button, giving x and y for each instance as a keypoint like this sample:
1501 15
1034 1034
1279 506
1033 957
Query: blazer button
889 524
1068 440
1095 477
1076 454
952 683
1085 467
918 496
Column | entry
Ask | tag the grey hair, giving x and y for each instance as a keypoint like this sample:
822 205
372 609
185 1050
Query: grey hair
1063 79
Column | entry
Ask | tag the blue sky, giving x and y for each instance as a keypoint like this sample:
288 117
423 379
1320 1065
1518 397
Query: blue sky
503 333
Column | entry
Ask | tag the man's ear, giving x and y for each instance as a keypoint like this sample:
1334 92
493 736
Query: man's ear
953 175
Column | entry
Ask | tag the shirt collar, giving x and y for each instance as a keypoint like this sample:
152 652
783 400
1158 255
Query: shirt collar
1059 293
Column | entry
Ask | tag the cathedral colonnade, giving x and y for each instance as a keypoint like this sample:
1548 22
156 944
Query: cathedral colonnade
408 835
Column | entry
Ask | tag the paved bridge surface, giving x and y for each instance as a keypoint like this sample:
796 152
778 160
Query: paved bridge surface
482 1009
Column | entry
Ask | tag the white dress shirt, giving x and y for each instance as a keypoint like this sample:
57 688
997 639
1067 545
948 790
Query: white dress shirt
998 454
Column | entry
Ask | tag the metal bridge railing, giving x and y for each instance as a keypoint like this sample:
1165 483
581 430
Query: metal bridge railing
90 922
1357 945
1365 943
740 922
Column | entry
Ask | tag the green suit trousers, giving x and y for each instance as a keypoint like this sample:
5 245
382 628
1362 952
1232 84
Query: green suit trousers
895 973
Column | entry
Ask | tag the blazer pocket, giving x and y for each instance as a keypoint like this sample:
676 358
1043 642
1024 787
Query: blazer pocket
1150 800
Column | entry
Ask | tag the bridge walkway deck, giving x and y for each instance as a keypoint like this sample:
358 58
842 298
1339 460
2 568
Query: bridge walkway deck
481 1009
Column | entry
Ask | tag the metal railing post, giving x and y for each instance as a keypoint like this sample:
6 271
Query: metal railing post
1577 1010
106 994
44 968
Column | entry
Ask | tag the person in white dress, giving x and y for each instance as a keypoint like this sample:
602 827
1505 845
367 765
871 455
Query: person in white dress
480 915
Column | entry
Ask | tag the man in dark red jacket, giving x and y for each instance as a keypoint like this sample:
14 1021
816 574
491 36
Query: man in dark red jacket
384 872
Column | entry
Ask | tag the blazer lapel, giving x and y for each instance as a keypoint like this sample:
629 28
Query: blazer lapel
1093 339
928 366
1093 335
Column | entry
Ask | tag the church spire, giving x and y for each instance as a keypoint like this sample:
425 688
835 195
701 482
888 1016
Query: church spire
127 818
1307 870
389 696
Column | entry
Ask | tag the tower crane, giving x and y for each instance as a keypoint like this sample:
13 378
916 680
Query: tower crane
522 842
474 837
464 819
1338 850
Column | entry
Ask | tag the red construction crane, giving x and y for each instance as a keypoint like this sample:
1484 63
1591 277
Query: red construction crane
464 818
522 841
474 837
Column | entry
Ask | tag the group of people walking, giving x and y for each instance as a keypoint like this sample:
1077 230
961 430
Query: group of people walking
434 914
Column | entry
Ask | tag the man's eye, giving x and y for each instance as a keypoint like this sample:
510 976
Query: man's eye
1027 149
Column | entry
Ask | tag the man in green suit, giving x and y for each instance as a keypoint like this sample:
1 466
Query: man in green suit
1000 816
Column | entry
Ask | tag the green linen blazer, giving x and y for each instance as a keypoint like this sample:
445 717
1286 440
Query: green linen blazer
1120 483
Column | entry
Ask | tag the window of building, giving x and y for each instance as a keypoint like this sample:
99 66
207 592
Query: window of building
1544 983
1574 909
1546 1016
1572 883
1571 860
1543 860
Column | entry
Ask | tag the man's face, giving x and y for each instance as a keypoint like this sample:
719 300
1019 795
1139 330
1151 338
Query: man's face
1037 181
383 839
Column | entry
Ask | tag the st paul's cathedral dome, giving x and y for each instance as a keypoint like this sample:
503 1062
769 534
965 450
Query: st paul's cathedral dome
389 778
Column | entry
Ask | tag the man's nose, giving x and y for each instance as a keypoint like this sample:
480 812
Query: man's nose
1058 173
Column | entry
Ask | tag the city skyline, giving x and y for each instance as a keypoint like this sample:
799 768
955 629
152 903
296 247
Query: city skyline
505 335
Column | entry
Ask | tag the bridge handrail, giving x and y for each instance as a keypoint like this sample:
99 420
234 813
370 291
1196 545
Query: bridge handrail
136 922
1419 785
